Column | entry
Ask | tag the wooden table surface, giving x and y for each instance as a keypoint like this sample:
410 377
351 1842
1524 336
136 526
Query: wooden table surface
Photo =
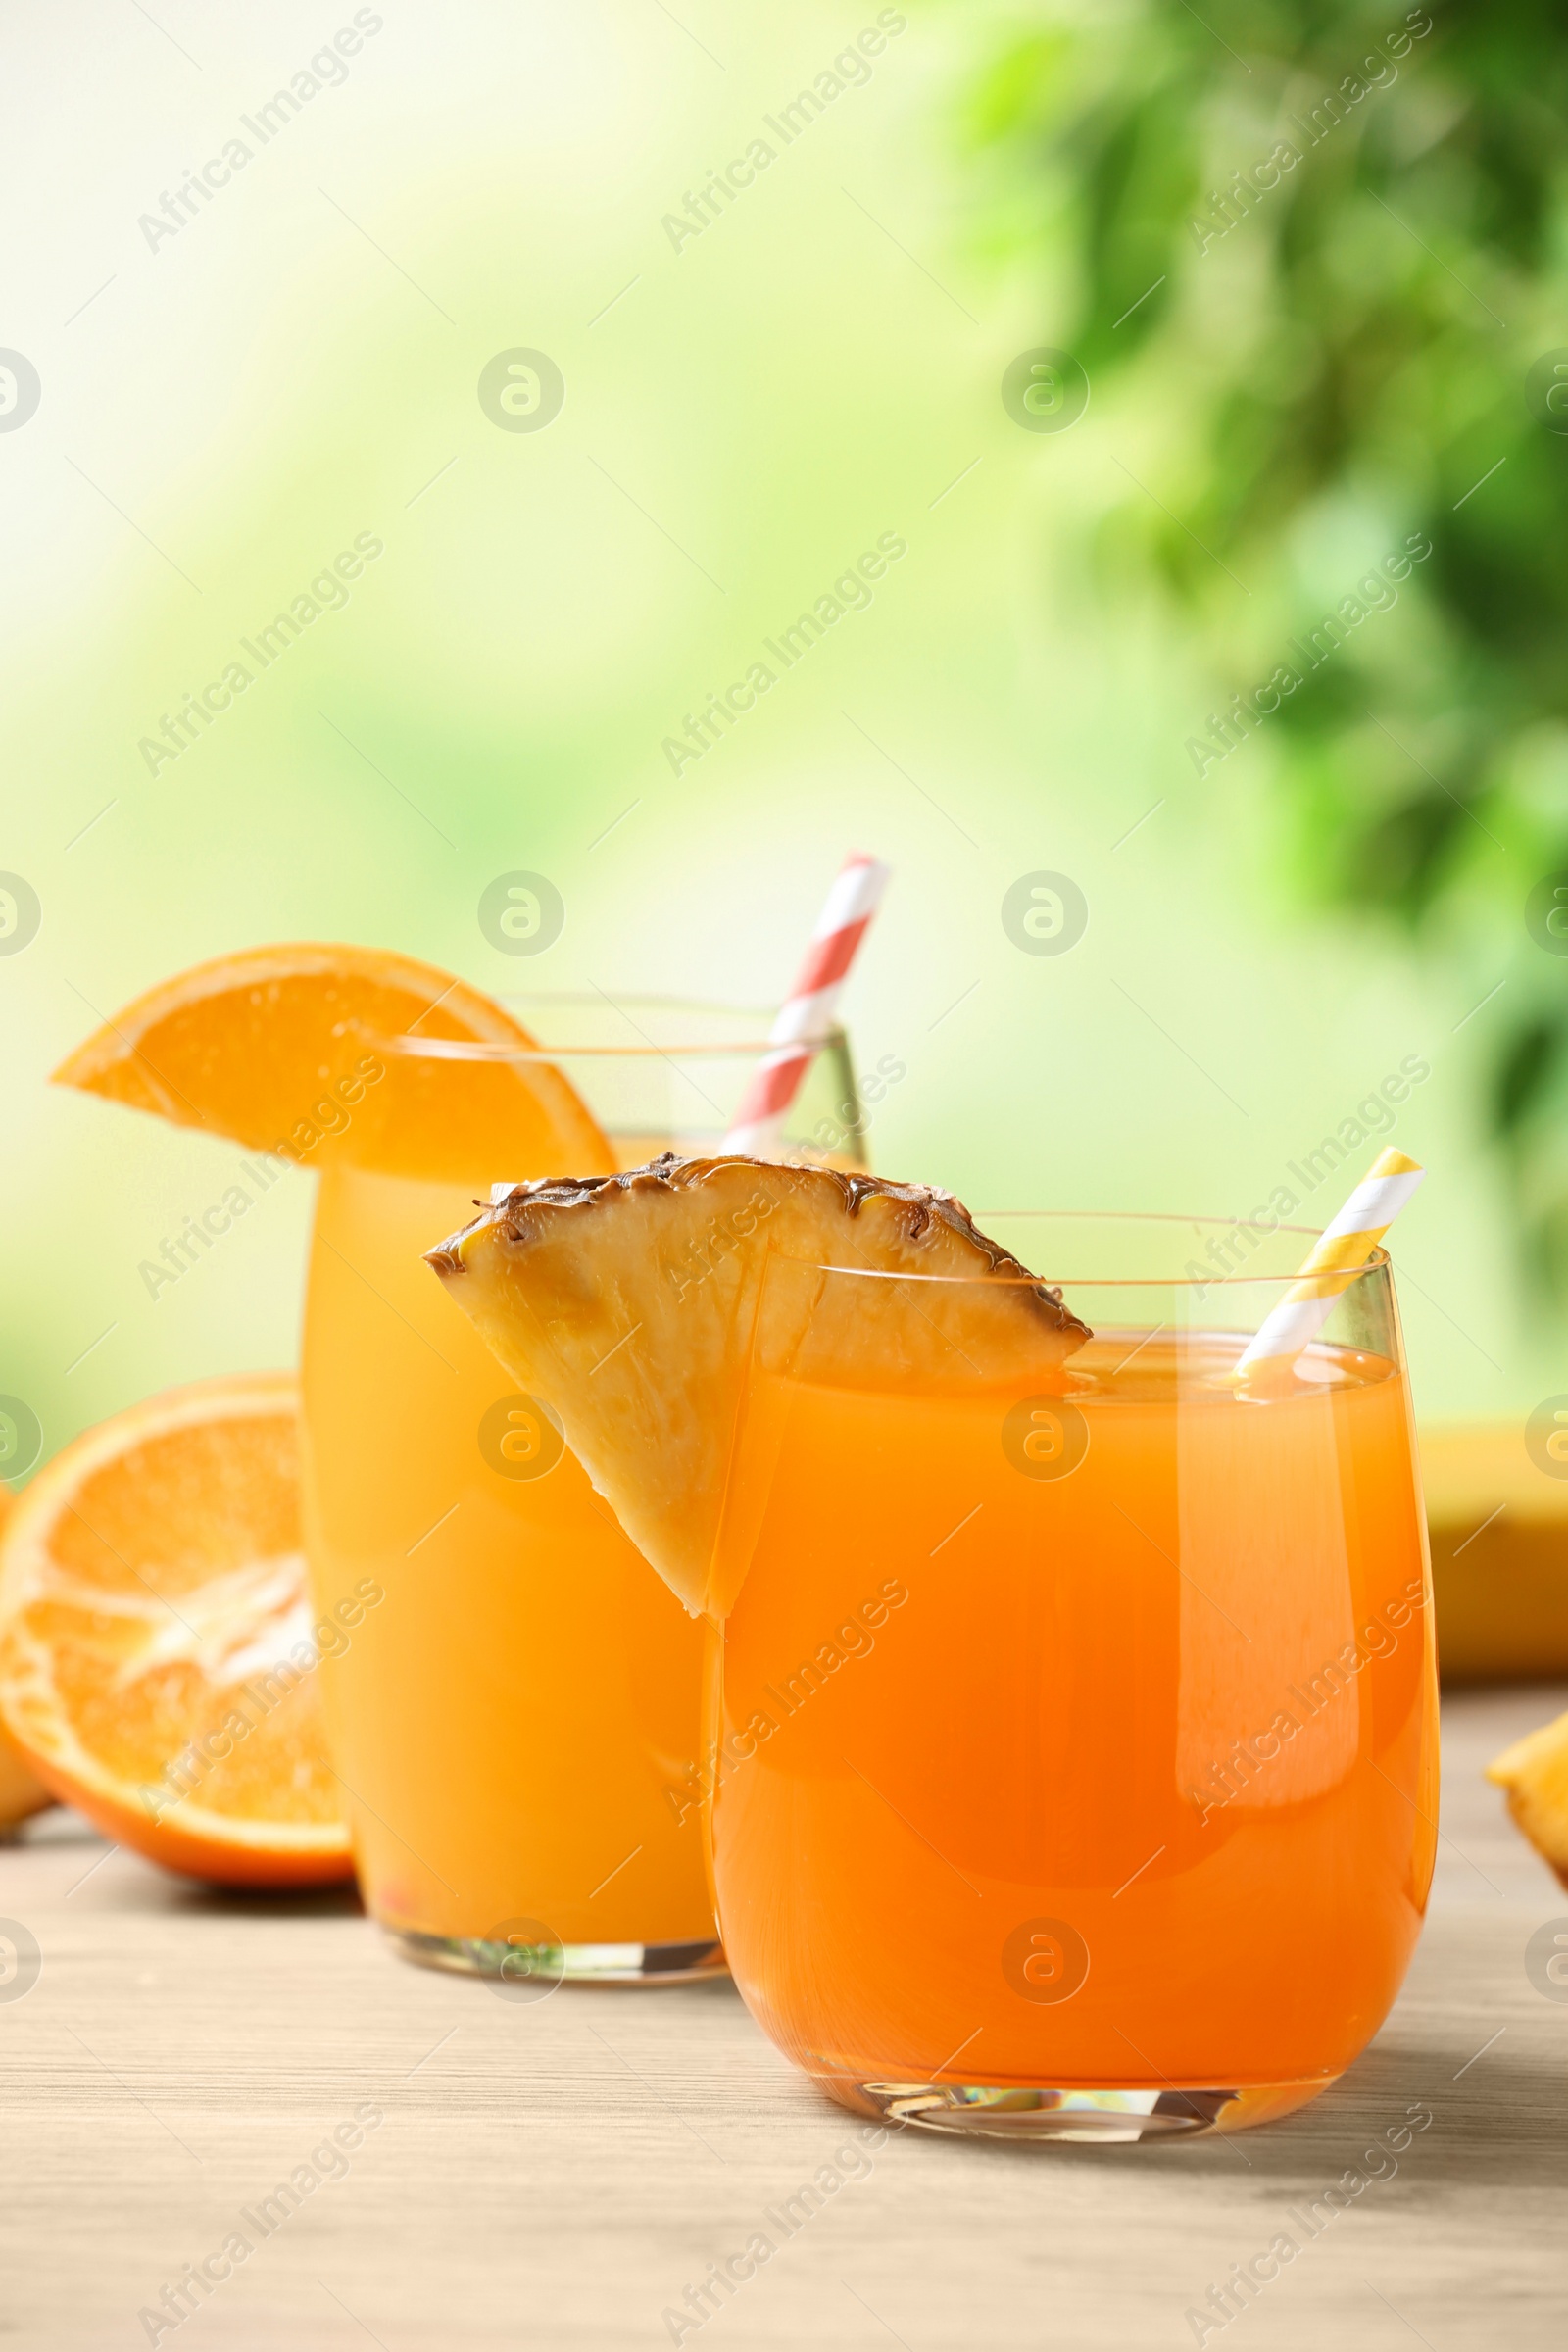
554 2174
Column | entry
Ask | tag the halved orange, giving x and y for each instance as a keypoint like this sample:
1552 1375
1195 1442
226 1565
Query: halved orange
318 1051
159 1663
21 1793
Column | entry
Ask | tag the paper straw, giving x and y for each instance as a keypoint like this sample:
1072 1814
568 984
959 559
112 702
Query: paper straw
807 1015
1337 1255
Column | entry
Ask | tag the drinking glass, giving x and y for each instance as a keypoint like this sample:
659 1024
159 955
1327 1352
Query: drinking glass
1073 1738
515 1717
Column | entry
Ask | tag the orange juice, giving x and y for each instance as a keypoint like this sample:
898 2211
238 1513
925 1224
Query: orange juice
513 1722
1079 1748
516 1724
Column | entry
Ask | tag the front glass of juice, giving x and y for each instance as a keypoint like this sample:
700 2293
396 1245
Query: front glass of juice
514 1707
1074 1748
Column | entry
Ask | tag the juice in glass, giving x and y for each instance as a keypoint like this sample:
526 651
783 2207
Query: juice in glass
1074 1751
515 1718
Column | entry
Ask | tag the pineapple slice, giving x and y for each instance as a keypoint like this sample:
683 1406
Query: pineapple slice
1535 1772
627 1305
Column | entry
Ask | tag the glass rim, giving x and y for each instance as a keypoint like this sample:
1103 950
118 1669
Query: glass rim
1377 1262
499 1051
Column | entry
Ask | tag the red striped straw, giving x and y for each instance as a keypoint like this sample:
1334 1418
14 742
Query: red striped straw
807 1015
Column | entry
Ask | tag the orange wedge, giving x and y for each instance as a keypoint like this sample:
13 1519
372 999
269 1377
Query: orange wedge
318 1053
157 1658
20 1793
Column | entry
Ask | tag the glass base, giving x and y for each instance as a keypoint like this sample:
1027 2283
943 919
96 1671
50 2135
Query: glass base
564 1963
1003 2111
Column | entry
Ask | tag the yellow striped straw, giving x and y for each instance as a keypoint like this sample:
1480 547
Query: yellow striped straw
1336 1256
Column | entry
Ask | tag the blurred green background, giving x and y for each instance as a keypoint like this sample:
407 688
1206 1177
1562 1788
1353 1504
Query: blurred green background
1271 412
